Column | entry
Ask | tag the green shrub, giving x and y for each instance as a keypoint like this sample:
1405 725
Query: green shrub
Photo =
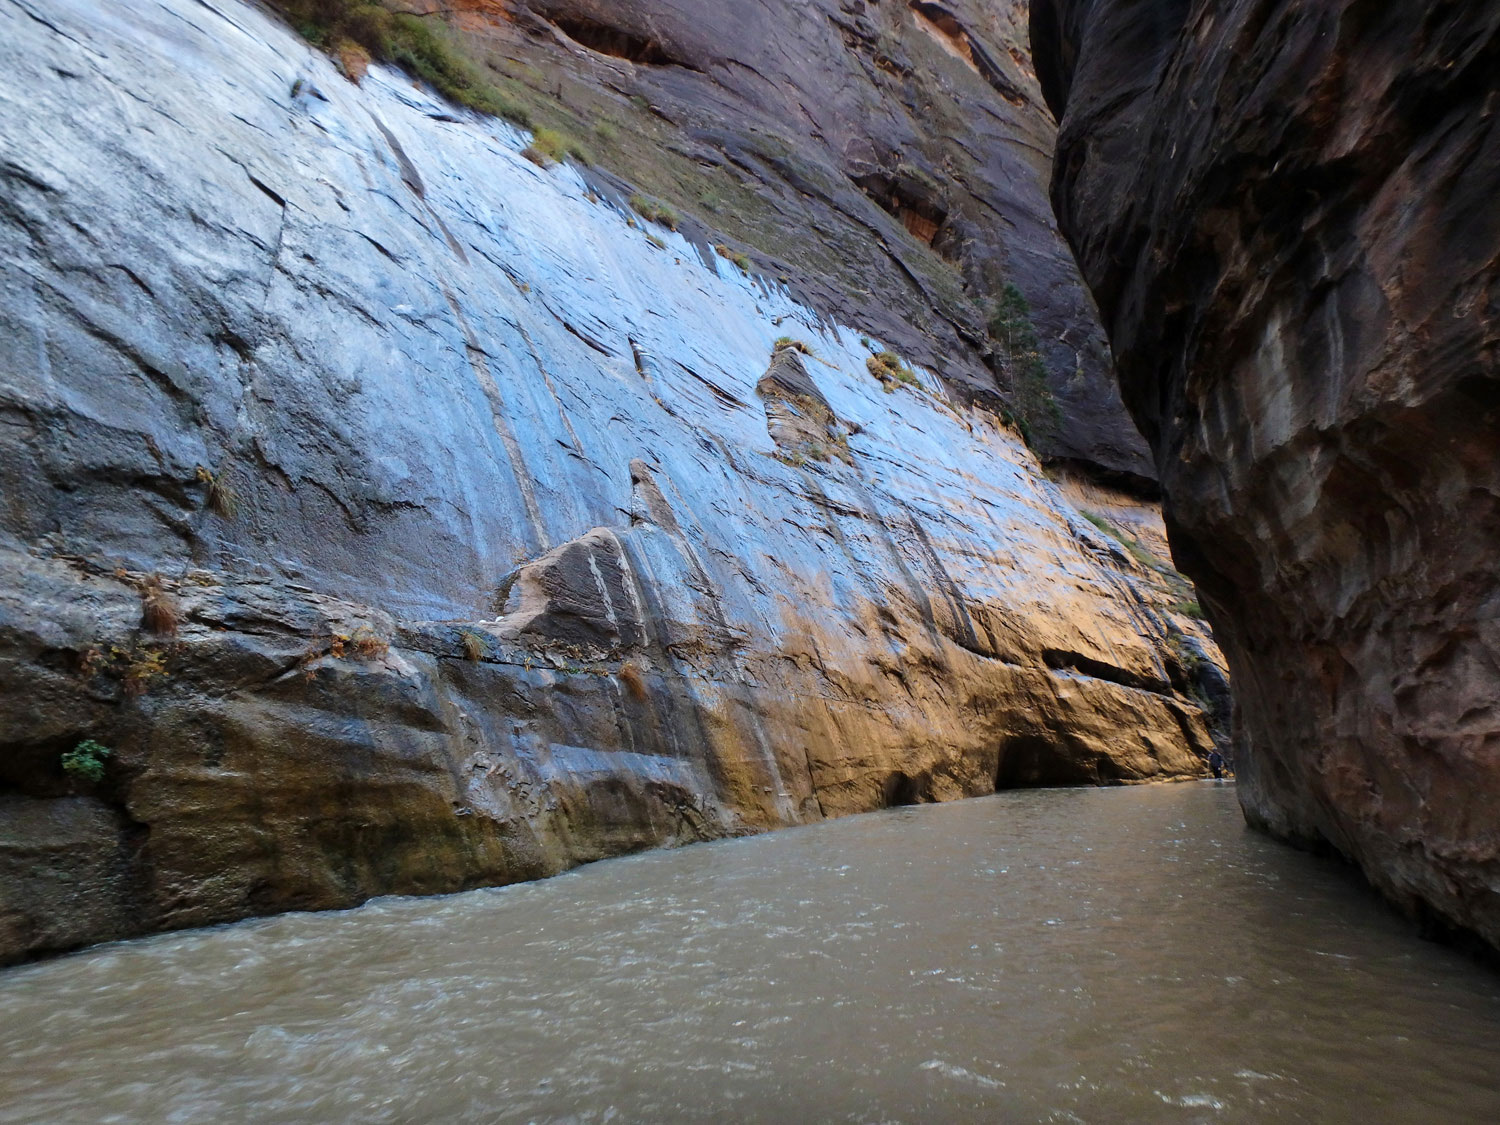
86 760
732 255
1034 407
654 212
889 368
408 41
557 147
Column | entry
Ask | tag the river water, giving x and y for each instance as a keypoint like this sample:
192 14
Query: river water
1051 955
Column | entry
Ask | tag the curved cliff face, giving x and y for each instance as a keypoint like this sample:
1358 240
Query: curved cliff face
890 161
405 516
1287 214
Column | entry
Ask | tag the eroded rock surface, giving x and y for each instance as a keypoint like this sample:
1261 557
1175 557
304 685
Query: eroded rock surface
406 517
1287 213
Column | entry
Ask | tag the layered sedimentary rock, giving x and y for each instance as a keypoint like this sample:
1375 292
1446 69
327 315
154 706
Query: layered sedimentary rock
403 516
1287 214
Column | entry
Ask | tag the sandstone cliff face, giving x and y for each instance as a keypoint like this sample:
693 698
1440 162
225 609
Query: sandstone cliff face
407 517
1287 214
891 161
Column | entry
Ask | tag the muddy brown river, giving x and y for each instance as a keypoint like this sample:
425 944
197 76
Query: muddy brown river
1063 955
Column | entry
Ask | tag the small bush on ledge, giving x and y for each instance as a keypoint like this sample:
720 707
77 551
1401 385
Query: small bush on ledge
86 760
409 41
654 212
889 368
729 254
549 147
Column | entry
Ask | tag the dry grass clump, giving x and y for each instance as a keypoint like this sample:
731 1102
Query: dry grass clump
635 683
362 644
784 342
159 613
367 644
655 212
889 368
222 498
473 644
353 60
739 259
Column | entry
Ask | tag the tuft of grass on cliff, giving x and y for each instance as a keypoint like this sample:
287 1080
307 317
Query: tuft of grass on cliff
419 46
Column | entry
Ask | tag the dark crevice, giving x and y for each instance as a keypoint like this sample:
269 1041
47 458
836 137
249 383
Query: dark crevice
1042 761
908 198
587 339
1061 661
617 42
902 789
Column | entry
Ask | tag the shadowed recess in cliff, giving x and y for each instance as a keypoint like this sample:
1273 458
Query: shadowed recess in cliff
1036 761
945 27
913 198
617 42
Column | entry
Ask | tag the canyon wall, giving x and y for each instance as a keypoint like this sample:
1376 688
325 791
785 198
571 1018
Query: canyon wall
890 161
403 515
1287 214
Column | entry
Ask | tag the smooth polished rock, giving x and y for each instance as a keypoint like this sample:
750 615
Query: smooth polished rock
405 519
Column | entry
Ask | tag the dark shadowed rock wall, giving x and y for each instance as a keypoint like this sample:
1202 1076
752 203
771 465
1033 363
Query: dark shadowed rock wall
1287 213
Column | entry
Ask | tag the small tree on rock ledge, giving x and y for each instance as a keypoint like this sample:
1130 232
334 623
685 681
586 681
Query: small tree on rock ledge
1034 407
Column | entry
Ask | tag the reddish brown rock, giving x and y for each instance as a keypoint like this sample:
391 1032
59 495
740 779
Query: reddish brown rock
1287 214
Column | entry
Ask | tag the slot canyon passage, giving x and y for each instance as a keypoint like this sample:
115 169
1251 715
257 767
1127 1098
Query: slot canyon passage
448 444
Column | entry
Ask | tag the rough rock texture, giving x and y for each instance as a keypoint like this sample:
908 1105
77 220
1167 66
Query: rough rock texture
406 519
1288 215
890 161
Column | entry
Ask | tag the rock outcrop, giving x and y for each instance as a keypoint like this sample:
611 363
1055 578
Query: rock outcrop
1287 214
404 516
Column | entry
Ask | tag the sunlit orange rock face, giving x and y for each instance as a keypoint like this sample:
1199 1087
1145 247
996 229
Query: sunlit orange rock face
1287 214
